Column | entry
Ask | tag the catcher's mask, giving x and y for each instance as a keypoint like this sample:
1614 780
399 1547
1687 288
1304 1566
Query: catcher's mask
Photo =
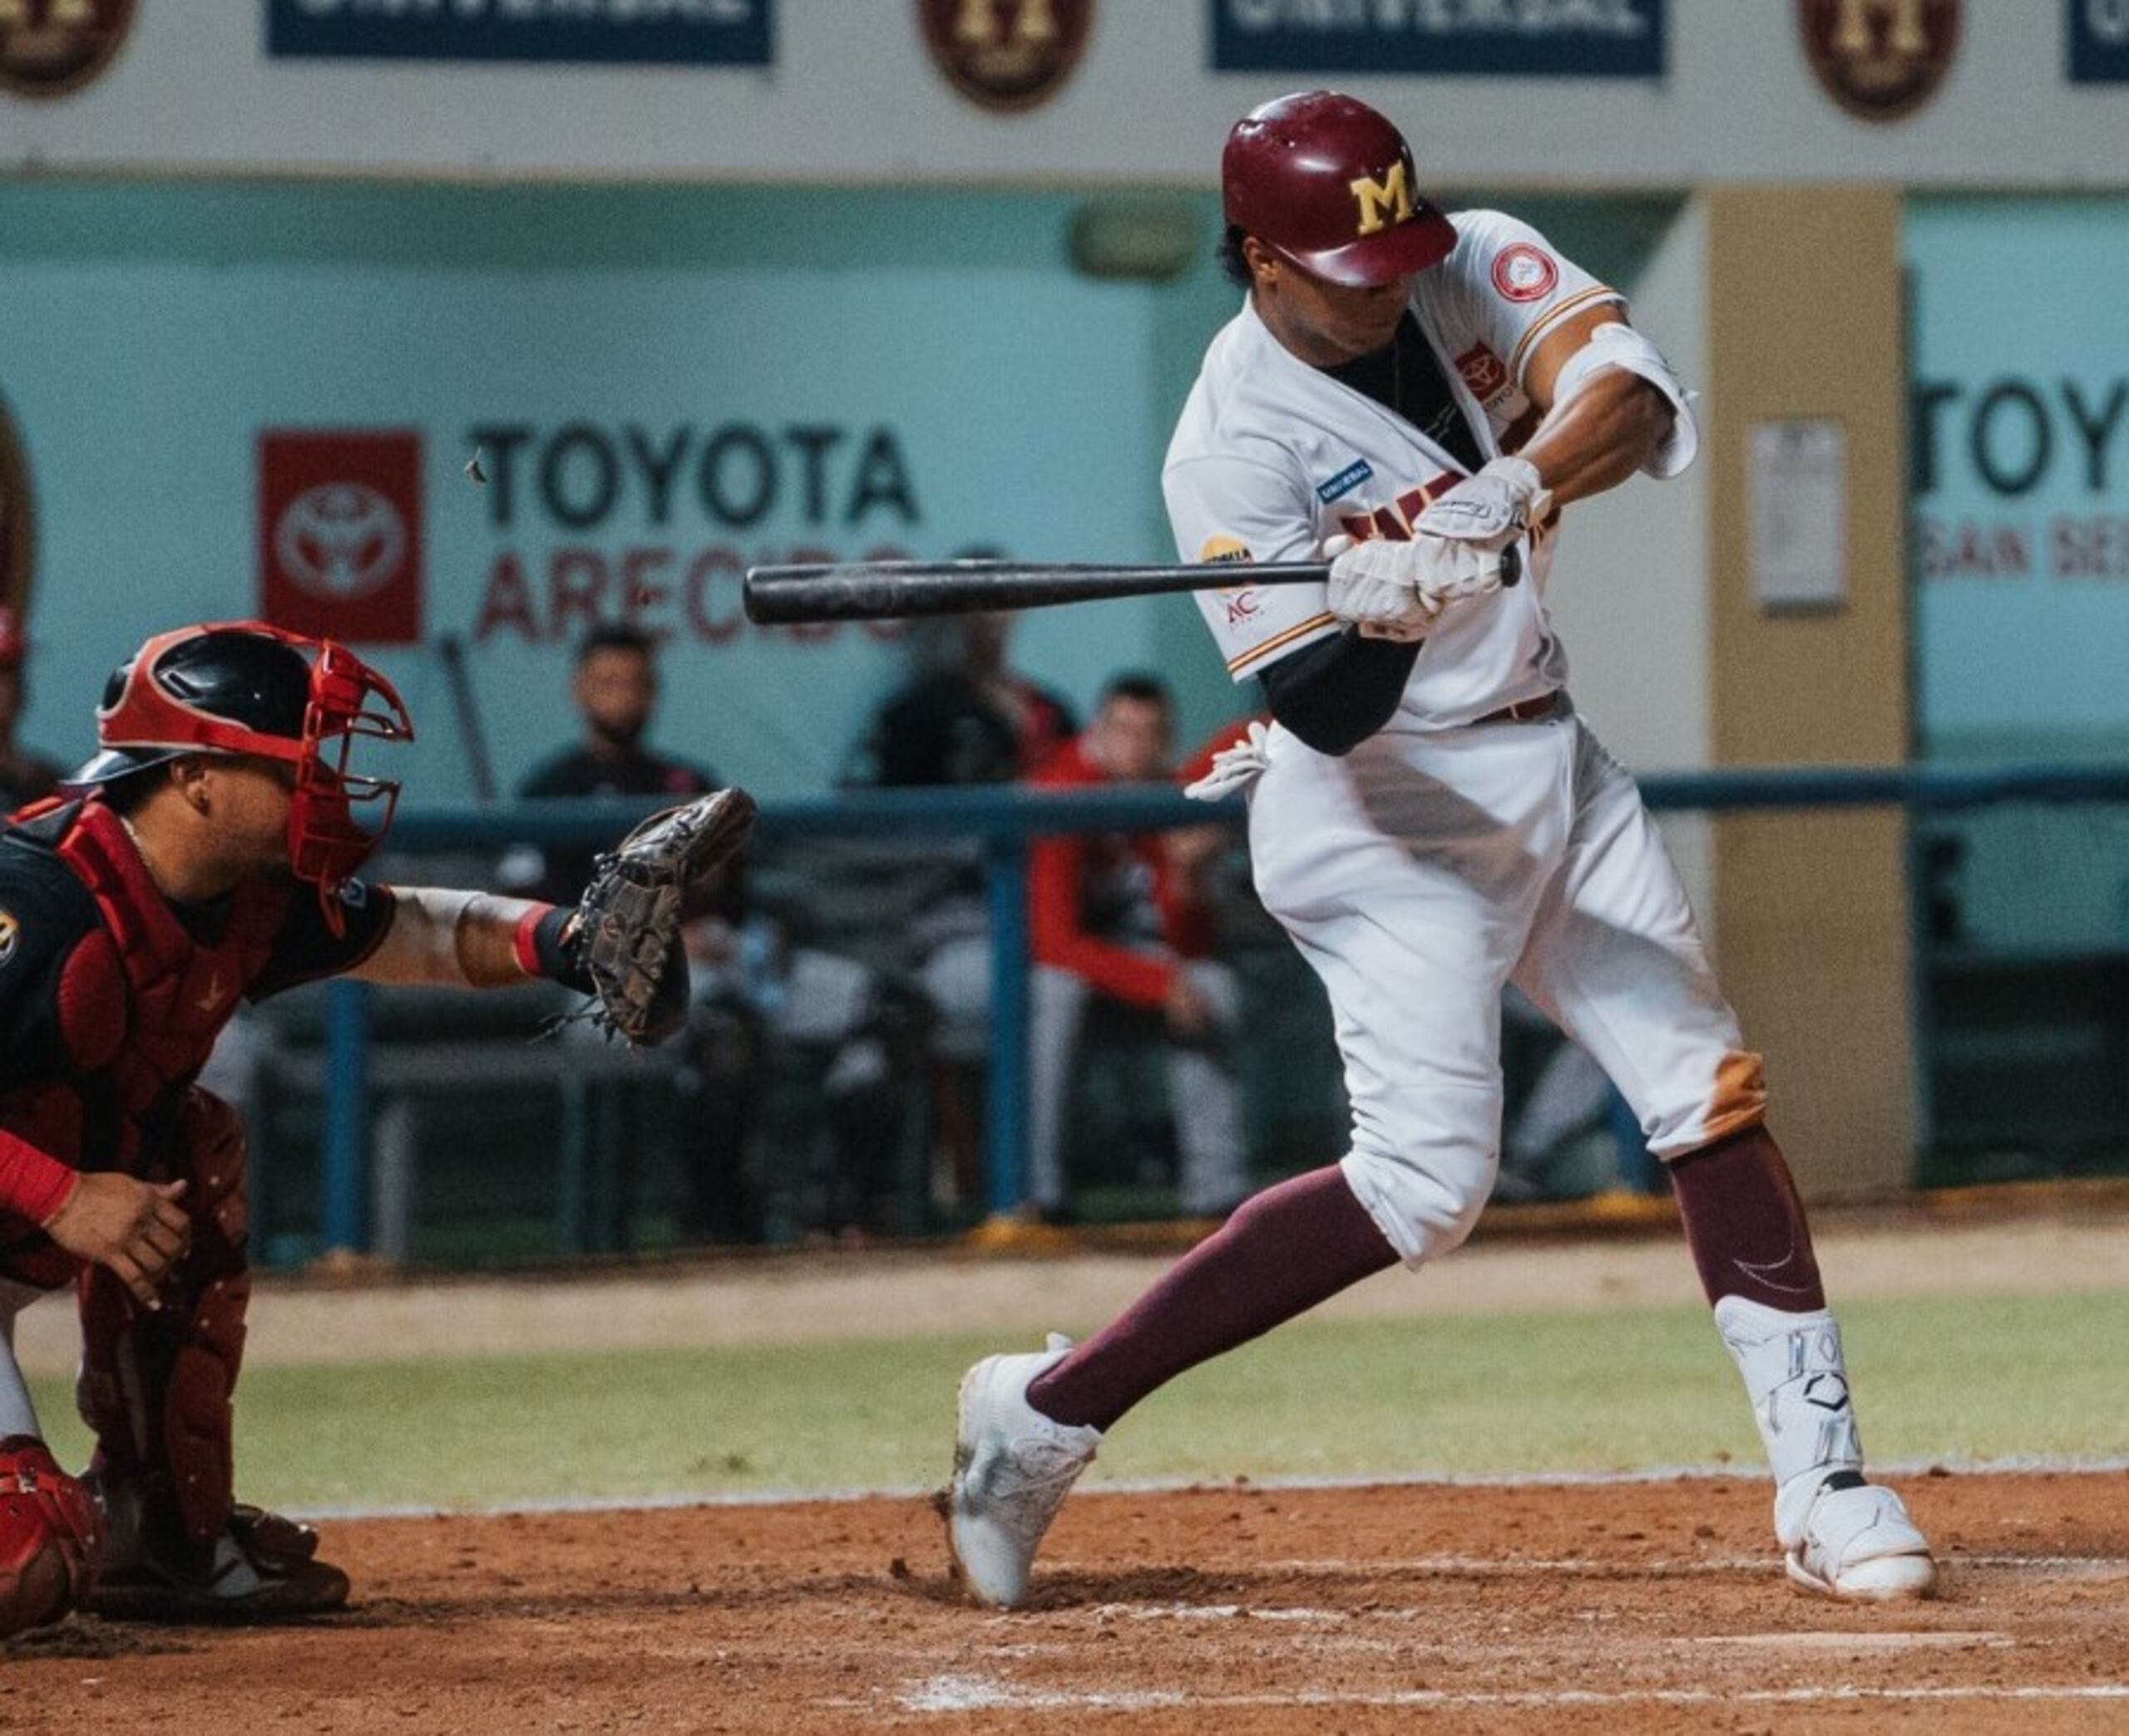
245 687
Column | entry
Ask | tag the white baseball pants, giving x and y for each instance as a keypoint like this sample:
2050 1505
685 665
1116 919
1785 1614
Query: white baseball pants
1422 872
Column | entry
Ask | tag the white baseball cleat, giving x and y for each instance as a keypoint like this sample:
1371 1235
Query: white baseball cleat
1860 1545
1012 1467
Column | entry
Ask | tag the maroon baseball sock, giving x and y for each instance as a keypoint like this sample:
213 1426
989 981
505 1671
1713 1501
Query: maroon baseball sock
1745 1225
1282 1253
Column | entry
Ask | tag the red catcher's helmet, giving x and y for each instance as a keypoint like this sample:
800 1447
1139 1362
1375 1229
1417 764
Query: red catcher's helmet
245 688
1322 179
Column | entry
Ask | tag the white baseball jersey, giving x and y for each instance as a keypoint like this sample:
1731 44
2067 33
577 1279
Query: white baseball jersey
1272 457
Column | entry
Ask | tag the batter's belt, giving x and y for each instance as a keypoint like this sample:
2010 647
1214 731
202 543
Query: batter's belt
1546 706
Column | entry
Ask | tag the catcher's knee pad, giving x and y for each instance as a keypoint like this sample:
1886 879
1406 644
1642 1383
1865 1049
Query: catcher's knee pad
49 1537
156 1387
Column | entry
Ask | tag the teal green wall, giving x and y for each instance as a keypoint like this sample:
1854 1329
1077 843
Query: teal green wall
956 252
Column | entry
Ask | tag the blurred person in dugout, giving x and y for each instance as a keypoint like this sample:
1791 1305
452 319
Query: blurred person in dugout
751 988
966 716
1125 918
25 777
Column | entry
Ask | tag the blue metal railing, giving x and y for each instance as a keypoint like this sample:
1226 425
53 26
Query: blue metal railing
1002 821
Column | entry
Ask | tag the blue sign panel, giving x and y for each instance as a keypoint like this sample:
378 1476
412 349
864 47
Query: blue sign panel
707 32
1529 39
2099 41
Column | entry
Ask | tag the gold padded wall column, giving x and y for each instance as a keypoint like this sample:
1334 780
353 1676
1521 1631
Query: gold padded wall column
1811 919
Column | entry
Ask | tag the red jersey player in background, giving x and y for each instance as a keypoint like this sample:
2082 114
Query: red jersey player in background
1124 917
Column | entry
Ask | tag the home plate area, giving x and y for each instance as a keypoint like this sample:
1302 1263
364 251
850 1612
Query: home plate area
1654 1606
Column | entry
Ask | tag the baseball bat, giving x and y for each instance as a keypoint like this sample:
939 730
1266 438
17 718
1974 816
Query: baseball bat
887 590
452 652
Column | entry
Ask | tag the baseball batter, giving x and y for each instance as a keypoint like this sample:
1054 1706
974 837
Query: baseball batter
1416 395
206 857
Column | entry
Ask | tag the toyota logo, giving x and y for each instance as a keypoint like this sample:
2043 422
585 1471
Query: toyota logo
340 540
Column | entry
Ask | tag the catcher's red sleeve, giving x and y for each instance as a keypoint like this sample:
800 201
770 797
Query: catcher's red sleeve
33 1184
524 939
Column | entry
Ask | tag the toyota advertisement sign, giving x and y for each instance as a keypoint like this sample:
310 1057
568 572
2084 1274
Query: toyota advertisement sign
340 533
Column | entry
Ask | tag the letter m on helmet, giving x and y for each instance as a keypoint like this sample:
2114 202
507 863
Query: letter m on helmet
1390 198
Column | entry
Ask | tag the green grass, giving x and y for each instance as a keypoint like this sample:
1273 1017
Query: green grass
1935 1377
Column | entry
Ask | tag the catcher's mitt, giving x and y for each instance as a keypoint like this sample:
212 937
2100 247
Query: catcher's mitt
625 937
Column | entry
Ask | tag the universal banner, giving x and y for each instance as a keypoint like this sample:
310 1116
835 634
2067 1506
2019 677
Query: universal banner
1494 38
698 33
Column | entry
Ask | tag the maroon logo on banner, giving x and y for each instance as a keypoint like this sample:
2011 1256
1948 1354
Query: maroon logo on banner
340 533
49 47
1880 59
1007 54
17 520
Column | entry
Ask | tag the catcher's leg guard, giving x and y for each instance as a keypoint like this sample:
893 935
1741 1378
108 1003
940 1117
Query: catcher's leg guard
49 1537
157 1389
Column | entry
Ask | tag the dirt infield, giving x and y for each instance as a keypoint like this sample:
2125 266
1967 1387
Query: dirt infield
1648 1606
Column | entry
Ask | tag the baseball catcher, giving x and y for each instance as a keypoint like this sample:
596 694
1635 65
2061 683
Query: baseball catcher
208 855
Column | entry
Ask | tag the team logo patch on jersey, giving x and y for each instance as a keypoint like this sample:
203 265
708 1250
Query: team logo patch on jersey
1880 59
1225 552
49 47
1006 54
1345 481
1242 605
1525 273
1483 372
11 934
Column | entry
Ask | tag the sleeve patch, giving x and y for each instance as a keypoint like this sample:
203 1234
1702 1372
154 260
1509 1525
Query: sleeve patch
1220 550
1525 273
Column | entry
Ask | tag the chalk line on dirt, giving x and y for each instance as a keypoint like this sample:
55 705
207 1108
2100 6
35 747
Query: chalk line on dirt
956 1693
2014 1465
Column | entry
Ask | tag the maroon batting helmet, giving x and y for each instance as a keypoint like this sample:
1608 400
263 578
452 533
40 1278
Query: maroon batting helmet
1322 179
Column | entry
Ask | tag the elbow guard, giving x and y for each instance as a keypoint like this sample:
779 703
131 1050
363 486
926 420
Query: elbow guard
1618 345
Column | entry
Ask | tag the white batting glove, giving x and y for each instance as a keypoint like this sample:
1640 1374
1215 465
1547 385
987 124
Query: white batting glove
1234 767
1490 509
1380 608
1395 590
